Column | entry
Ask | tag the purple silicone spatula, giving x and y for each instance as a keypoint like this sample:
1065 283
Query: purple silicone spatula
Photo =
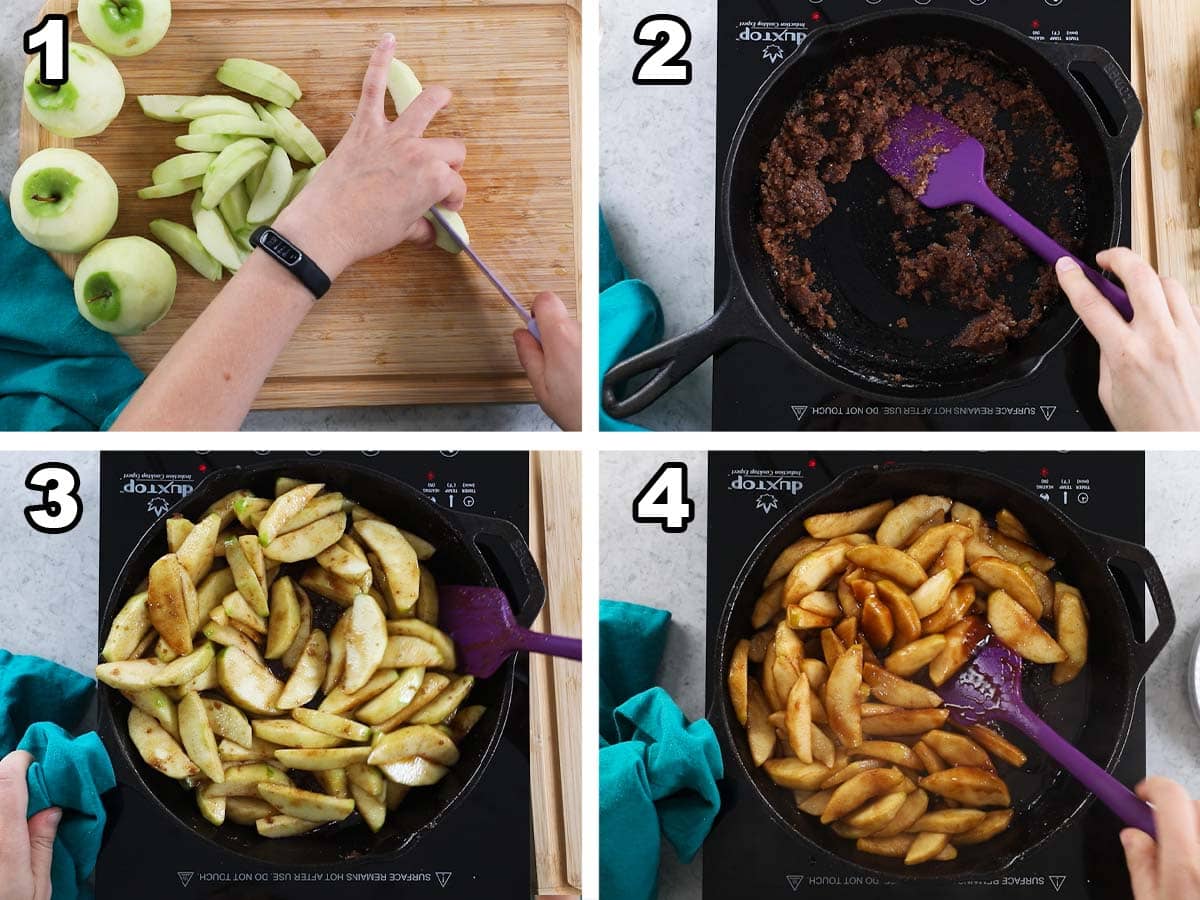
942 165
989 689
481 624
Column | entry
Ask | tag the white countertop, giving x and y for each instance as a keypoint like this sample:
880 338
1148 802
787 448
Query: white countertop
16 16
642 564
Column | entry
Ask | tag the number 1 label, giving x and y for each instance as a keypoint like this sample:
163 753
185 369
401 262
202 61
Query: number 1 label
49 39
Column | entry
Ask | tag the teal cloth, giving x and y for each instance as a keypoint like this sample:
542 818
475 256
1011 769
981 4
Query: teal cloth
658 772
631 318
57 372
39 701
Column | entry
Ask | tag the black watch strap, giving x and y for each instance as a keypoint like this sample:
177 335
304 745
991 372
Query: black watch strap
292 258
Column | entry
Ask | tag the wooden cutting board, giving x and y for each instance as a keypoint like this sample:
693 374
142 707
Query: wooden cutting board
410 326
1167 158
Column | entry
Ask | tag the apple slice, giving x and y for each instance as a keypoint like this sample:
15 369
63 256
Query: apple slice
216 105
198 738
182 167
215 237
286 121
299 182
259 79
273 190
171 189
165 107
247 682
282 137
205 143
186 243
229 168
234 206
244 126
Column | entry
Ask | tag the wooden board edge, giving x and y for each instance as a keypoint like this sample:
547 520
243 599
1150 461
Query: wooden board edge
1145 238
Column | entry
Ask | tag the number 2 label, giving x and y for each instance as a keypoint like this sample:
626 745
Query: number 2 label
670 37
49 39
664 500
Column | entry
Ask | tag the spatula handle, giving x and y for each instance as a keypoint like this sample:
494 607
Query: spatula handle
1123 802
1051 251
550 644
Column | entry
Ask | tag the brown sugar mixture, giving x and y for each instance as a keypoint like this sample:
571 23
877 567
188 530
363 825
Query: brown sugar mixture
958 257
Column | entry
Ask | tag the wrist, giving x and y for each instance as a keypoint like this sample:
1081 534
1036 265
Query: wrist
316 242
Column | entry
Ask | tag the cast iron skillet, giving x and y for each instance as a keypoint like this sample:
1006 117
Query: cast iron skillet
855 258
1093 712
458 560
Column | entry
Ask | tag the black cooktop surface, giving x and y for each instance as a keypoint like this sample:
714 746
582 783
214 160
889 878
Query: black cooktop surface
747 854
760 388
481 849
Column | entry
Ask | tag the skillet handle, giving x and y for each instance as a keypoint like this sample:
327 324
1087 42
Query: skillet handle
1110 548
528 590
1130 108
671 361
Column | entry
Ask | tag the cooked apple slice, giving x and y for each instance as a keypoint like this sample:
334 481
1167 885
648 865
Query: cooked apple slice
399 694
165 107
230 167
243 780
205 143
307 805
158 748
446 703
284 621
216 105
328 723
292 655
298 132
307 542
370 806
430 634
415 772
306 678
212 807
129 626
432 686
172 603
248 810
290 733
182 167
259 79
186 243
130 674
216 240
258 751
242 616
273 189
227 721
283 508
1019 631
171 189
281 826
197 736
186 668
366 640
322 760
153 701
345 565
329 585
197 552
247 682
229 636
427 598
245 574
398 559
415 740
339 701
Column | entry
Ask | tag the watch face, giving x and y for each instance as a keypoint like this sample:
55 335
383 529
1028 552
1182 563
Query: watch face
281 249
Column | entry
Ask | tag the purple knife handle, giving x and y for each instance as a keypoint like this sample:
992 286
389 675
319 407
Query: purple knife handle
1050 250
1127 806
550 644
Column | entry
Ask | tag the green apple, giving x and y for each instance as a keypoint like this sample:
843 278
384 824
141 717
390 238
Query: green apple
230 168
244 126
259 79
178 168
187 244
286 122
215 237
63 200
234 206
86 104
205 143
253 177
273 190
217 105
282 137
164 107
125 285
125 27
405 87
171 189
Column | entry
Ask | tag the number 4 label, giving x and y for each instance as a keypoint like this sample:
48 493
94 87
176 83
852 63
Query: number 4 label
670 37
49 39
664 500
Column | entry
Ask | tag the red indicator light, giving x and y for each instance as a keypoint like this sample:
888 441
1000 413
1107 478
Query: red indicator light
429 476
1037 23
1045 472
816 16
202 467
812 463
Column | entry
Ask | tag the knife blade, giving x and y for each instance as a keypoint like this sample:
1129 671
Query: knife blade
491 276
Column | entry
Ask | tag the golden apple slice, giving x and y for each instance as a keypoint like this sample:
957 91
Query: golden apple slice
247 682
186 668
339 701
446 703
283 508
243 780
307 542
329 723
832 525
1019 630
321 760
198 739
157 748
171 603
1071 627
227 721
366 640
154 702
308 805
398 559
901 523
128 628
969 786
290 733
306 678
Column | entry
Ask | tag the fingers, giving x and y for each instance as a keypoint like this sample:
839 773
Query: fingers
452 188
370 105
421 111
14 802
1179 304
549 309
1175 817
1141 856
533 360
1141 283
422 234
1092 307
42 829
453 153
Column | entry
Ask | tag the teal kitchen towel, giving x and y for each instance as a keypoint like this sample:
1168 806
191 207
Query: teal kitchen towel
57 372
631 318
658 772
39 701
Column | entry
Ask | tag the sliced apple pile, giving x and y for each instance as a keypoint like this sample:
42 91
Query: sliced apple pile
239 158
233 688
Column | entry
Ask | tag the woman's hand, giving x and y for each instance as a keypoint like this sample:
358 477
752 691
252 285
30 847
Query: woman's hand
25 846
1150 367
555 367
1170 868
374 189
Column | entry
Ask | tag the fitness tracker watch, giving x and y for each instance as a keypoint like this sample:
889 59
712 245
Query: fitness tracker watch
292 258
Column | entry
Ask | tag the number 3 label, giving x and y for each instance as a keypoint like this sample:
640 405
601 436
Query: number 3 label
60 509
670 37
664 500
